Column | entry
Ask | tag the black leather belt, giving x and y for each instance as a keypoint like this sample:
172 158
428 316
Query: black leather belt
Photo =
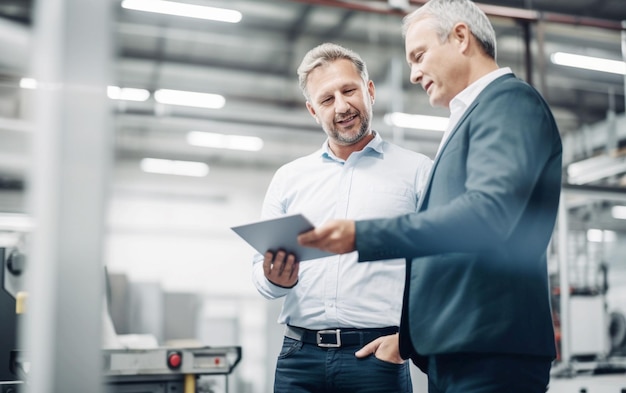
337 338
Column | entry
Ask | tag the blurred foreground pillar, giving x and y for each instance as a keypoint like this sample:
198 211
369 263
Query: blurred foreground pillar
71 159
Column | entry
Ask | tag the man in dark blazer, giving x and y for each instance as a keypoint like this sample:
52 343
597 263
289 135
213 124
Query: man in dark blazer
476 313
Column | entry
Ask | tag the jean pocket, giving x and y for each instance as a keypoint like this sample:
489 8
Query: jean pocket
386 363
289 347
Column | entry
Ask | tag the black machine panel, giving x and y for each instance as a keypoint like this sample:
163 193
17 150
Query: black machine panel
8 324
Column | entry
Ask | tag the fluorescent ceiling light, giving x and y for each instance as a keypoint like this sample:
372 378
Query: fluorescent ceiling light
189 98
619 212
127 93
28 83
599 235
222 141
113 92
173 167
589 63
182 9
595 168
15 222
420 122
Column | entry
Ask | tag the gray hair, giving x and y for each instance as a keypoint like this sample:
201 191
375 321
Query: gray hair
324 54
446 13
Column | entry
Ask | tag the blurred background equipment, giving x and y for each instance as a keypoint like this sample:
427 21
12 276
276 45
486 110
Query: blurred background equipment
12 304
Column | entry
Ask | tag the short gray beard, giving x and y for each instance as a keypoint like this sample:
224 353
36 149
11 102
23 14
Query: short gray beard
344 141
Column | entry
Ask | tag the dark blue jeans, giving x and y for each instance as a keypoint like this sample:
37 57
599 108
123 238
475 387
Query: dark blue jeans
306 368
488 373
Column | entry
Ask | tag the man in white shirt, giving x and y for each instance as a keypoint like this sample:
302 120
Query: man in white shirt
333 306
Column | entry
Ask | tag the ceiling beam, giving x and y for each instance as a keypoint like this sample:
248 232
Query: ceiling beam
492 10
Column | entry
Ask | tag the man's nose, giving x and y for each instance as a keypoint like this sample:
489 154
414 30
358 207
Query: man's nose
416 74
341 105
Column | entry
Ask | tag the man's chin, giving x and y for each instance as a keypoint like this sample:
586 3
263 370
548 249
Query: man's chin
434 102
353 140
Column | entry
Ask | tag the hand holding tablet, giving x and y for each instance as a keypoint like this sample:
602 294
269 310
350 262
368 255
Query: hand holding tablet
280 234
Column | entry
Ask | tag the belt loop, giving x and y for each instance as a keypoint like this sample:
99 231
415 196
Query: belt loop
362 339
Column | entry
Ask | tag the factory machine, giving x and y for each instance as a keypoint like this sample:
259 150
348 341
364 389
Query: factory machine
166 370
125 370
11 307
592 351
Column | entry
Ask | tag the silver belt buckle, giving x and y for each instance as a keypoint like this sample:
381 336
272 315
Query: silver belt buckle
337 333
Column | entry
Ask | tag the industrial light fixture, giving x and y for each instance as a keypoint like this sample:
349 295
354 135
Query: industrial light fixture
589 63
189 98
600 235
420 122
183 9
28 83
222 141
113 92
127 93
618 212
174 167
16 222
595 168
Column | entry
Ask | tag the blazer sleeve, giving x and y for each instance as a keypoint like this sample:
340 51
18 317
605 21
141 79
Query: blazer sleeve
512 138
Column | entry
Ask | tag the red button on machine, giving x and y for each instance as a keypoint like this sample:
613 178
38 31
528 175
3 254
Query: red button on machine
174 360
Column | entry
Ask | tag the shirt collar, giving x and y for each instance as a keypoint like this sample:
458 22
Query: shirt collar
465 98
375 145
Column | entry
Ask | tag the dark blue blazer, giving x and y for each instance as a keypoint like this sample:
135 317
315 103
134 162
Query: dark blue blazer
476 249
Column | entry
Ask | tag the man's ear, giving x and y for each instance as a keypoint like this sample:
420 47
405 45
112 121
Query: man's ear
461 35
311 110
371 90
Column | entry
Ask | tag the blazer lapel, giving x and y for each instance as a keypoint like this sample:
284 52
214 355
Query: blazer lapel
426 192
469 110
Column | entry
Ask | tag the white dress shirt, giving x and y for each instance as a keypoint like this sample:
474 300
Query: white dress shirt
382 180
462 101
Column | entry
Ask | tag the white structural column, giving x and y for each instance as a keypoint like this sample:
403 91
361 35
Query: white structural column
564 299
71 159
623 34
396 102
